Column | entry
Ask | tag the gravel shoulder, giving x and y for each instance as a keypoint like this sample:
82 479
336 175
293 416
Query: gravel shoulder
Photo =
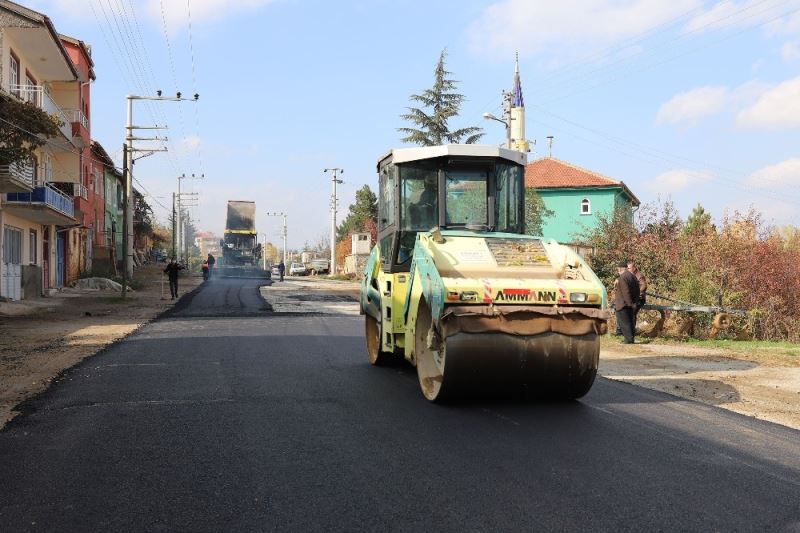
41 338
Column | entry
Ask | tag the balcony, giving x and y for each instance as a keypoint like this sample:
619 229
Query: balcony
16 177
36 95
80 128
43 205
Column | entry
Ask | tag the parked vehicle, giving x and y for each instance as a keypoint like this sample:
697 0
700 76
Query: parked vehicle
319 266
276 271
297 269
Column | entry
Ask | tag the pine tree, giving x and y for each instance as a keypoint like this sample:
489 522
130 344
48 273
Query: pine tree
440 103
364 208
698 222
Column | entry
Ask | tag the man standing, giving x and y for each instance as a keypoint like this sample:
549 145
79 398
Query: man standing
642 288
626 297
281 269
172 273
211 261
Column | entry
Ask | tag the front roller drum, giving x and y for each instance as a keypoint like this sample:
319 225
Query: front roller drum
547 365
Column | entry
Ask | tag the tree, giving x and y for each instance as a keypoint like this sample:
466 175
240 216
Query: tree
364 208
535 212
698 222
443 104
24 128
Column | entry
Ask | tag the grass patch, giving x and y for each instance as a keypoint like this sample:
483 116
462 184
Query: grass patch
773 347
785 348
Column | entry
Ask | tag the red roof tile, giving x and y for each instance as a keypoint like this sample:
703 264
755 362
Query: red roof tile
552 173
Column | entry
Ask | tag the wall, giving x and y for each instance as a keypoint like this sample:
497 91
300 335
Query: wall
568 220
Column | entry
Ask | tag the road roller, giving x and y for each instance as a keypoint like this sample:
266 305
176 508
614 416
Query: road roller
456 287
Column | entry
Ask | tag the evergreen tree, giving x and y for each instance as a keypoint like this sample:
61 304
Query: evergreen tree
699 222
364 208
440 103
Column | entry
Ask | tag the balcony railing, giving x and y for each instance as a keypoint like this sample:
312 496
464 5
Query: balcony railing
15 176
47 195
79 117
36 95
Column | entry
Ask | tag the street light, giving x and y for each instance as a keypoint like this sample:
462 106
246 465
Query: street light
489 116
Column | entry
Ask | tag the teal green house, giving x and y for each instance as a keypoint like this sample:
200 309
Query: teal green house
577 196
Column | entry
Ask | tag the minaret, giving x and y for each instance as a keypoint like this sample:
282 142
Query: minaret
517 114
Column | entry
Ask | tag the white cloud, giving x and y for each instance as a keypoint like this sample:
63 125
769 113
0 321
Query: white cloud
783 174
533 27
176 13
776 108
693 105
727 14
676 180
790 51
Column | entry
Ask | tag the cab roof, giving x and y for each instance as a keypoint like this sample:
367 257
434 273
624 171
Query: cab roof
405 155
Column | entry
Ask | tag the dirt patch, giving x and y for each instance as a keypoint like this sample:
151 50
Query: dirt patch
761 384
42 338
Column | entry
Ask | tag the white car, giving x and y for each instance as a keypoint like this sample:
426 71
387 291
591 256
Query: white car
297 269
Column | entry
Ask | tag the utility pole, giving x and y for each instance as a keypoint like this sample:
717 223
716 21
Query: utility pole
182 244
128 167
125 215
334 201
274 214
174 228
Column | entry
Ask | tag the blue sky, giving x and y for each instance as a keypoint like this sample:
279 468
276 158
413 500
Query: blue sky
691 100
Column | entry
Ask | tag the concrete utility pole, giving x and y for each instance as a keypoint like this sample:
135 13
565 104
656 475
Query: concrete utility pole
334 202
129 138
182 245
284 231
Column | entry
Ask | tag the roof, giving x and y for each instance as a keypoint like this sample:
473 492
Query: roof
85 49
552 173
39 18
404 155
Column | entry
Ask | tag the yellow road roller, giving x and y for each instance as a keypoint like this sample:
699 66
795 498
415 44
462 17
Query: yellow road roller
456 287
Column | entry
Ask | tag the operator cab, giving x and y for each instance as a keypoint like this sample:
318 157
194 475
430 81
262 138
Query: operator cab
457 187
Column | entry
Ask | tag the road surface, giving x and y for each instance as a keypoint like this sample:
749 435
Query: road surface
229 416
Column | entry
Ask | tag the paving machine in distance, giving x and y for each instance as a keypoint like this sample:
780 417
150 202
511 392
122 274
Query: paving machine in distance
456 287
241 252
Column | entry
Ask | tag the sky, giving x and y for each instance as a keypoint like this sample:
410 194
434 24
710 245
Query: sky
690 101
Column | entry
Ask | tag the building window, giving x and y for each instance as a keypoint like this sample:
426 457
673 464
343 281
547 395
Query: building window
586 207
13 78
33 248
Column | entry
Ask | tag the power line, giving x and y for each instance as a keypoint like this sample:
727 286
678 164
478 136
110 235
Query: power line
194 83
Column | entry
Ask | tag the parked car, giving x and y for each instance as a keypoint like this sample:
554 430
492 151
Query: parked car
297 269
276 271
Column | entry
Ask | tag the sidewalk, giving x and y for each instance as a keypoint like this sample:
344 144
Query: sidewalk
39 339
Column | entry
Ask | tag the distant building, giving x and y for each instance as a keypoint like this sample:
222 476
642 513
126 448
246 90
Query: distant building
577 197
360 248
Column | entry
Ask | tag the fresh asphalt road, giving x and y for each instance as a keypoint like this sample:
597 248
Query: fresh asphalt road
224 416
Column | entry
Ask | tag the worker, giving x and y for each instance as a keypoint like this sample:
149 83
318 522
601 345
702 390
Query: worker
172 273
211 262
626 297
281 269
205 270
422 209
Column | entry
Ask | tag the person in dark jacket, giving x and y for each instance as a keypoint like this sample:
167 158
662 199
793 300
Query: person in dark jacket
211 262
626 298
172 273
281 269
